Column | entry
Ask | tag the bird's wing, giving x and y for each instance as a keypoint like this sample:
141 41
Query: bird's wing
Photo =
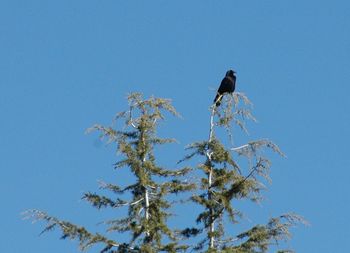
234 84
226 85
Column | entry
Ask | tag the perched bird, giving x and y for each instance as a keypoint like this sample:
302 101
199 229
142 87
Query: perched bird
227 85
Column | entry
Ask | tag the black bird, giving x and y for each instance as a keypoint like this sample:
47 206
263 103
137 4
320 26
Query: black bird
227 85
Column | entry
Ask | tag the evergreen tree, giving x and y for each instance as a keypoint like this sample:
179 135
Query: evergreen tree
225 182
148 206
222 183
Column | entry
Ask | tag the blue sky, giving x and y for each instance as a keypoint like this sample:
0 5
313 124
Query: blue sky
65 65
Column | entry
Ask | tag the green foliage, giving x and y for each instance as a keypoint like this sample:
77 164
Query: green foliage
222 183
147 209
70 231
225 182
259 238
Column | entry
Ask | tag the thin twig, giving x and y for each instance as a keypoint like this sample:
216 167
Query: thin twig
130 117
240 147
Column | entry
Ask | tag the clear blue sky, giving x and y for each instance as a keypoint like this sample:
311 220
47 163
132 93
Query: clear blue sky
65 65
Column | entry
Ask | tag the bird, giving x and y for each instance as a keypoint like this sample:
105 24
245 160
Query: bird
228 85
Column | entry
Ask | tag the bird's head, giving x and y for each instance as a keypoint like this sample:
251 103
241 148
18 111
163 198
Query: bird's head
230 73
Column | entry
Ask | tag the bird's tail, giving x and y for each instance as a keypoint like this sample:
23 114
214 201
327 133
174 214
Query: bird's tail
217 99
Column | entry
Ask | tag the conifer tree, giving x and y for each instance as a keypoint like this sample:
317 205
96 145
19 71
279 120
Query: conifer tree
224 183
148 207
